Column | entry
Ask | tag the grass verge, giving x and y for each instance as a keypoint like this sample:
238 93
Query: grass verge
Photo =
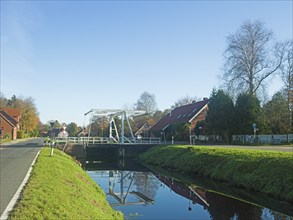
2 141
60 189
268 172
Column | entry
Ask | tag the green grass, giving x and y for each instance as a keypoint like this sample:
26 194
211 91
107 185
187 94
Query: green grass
59 189
6 140
268 172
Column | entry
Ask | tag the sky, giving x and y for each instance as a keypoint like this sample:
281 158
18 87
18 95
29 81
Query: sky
73 56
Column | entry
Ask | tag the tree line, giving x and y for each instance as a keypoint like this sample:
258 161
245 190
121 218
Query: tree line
246 115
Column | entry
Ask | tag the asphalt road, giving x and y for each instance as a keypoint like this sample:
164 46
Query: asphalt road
15 161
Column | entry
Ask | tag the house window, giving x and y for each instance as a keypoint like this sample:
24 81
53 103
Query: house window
178 116
194 110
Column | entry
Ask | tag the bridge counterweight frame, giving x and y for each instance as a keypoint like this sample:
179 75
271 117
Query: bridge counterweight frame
111 114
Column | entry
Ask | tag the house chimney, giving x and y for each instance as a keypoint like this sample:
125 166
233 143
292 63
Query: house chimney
205 98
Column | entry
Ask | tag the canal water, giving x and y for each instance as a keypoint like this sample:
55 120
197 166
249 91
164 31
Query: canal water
140 193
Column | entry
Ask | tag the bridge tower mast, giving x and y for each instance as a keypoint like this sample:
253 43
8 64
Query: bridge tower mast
111 114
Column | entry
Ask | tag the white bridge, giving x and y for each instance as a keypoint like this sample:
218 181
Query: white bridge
113 116
115 136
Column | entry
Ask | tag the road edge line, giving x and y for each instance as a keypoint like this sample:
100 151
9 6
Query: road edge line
16 196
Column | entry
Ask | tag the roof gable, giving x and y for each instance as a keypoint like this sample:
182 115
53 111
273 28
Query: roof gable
13 112
180 114
8 118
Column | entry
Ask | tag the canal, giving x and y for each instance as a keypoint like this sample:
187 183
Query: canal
141 193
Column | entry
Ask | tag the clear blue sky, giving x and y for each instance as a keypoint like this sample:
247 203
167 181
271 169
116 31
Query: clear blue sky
72 56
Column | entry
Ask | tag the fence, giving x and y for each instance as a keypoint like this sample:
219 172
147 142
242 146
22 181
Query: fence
204 138
264 139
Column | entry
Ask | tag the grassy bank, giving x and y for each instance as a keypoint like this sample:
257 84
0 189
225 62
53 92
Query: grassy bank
59 189
2 141
264 171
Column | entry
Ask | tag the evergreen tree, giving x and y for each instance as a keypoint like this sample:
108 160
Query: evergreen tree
72 129
247 113
12 102
219 120
277 115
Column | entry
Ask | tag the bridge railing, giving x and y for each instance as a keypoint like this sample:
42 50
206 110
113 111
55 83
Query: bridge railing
82 140
104 140
148 140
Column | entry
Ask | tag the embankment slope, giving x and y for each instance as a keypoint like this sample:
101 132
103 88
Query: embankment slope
264 171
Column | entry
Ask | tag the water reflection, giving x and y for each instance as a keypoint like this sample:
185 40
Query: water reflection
194 195
156 196
146 183
222 207
120 183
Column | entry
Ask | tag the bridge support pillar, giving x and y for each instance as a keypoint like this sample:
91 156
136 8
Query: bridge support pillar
122 152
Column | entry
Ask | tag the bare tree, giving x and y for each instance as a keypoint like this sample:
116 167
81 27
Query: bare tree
250 59
285 50
3 100
146 102
183 101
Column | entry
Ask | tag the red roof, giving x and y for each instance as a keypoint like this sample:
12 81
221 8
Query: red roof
8 118
180 114
13 112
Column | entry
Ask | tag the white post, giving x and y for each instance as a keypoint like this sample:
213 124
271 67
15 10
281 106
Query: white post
90 127
129 127
110 131
52 149
122 127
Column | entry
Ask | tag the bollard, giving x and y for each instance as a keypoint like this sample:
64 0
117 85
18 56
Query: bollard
52 148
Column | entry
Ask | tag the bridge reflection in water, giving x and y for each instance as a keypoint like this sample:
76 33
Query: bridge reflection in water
120 183
121 189
132 188
133 184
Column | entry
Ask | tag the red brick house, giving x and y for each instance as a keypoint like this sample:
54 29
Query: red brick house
191 114
9 122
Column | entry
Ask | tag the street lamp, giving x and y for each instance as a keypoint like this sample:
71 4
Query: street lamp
255 129
200 130
52 123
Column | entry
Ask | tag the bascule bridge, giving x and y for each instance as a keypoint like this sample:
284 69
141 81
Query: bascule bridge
117 144
113 115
